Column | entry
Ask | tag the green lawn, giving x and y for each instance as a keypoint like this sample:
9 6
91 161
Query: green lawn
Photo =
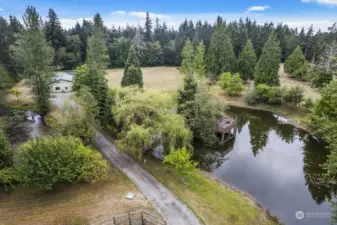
212 202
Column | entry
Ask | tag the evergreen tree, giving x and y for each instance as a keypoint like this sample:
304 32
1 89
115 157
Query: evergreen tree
153 54
54 35
199 61
97 60
295 61
247 62
98 22
6 153
267 68
132 72
221 56
37 67
187 64
148 27
186 97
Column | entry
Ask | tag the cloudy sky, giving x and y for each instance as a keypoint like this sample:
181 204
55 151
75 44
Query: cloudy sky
295 13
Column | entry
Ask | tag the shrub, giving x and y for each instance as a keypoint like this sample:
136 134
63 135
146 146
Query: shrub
8 176
77 122
267 94
252 97
181 160
235 85
308 104
5 80
47 161
81 77
302 73
224 80
320 78
6 152
274 96
15 92
293 95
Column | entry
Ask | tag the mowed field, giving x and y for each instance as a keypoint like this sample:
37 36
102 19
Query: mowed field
90 201
161 78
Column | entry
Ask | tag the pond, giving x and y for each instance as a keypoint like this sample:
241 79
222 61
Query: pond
277 164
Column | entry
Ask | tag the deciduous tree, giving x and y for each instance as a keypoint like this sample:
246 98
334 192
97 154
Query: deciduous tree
37 68
45 162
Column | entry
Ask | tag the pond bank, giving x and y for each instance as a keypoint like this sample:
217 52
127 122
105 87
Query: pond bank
244 194
276 163
295 117
213 202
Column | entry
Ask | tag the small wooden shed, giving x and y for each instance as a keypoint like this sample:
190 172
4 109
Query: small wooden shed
227 128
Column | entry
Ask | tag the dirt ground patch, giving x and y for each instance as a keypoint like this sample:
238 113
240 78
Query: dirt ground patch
286 80
92 201
25 99
161 78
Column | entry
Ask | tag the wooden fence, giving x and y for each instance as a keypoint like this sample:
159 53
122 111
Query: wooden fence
133 218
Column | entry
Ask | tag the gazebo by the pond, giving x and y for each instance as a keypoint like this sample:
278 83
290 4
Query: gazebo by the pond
227 129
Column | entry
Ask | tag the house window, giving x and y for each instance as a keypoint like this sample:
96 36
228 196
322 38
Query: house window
57 88
66 88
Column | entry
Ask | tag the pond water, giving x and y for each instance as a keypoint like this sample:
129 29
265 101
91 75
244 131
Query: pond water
277 164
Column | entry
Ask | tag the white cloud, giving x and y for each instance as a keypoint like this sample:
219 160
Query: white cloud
1 9
119 12
69 23
257 8
143 15
322 2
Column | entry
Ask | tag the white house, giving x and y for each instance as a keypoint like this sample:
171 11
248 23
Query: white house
63 83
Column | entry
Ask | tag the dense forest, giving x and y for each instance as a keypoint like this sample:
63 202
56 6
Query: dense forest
161 45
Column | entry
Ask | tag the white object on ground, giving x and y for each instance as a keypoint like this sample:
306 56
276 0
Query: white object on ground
130 195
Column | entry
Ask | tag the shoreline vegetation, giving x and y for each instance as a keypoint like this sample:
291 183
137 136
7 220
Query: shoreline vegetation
212 200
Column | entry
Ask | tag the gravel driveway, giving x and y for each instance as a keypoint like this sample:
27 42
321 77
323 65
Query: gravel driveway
168 205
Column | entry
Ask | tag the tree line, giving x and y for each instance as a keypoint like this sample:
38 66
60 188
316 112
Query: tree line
162 45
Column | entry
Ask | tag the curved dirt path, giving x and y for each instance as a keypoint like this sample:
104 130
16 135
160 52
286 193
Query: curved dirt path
168 205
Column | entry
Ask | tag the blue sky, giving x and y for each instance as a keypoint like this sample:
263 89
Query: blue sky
296 13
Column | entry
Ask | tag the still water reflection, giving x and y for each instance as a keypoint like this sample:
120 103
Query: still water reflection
277 164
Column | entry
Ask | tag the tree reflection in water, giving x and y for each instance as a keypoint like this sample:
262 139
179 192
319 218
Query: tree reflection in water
259 125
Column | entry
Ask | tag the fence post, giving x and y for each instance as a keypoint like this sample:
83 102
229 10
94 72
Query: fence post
130 219
142 217
113 220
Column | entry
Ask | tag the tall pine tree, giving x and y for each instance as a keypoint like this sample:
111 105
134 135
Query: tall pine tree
37 68
221 57
54 35
294 61
199 60
148 27
247 61
268 66
97 61
132 72
187 64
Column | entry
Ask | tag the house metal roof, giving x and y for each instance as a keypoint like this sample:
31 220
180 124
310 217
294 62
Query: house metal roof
64 77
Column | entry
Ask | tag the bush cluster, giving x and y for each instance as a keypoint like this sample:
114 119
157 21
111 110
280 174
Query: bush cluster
232 83
275 95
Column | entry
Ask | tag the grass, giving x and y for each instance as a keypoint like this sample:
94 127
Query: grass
160 78
90 201
212 202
